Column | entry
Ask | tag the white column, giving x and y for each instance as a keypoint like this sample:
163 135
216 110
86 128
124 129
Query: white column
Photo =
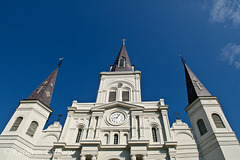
110 137
66 126
166 124
134 127
144 157
94 157
98 127
138 88
84 133
104 97
83 157
91 128
133 157
141 127
100 96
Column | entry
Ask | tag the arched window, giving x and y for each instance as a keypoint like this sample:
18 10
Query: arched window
218 121
201 126
79 135
16 124
154 135
121 62
32 128
115 139
112 96
125 96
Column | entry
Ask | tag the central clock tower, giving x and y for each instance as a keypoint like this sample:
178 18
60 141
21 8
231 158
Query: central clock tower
122 83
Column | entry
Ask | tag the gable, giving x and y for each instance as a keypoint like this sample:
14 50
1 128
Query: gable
115 104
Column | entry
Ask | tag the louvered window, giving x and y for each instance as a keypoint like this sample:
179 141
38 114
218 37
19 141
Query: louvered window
201 126
154 135
16 124
218 121
112 96
115 139
79 135
125 96
32 128
121 62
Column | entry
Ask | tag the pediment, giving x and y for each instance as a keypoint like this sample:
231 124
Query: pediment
126 105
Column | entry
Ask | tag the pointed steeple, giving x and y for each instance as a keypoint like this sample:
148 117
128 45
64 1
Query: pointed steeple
45 90
122 62
195 88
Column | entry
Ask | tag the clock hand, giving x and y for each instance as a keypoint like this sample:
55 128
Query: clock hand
118 115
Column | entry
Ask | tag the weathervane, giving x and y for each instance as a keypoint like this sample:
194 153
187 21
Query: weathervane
124 40
176 114
59 116
60 62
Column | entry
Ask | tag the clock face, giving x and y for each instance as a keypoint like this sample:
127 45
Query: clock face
117 117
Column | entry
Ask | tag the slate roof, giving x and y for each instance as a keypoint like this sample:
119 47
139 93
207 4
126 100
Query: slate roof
195 88
45 90
127 67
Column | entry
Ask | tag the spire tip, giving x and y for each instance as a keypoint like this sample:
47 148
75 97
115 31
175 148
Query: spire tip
60 62
182 58
124 40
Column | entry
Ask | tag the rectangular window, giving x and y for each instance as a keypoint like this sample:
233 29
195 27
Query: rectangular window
121 62
79 135
115 141
112 96
125 96
201 126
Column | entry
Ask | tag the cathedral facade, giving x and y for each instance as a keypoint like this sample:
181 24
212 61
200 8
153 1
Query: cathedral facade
119 125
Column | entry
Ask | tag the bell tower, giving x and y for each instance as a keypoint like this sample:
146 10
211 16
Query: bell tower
214 135
122 83
25 127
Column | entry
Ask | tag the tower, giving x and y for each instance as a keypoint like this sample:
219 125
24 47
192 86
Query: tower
122 83
25 127
215 137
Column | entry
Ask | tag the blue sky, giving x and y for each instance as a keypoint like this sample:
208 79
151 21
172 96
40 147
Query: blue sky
34 34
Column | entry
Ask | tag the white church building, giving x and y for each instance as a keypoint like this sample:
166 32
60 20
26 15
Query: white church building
119 125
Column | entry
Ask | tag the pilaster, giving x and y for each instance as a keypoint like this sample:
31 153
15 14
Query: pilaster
166 125
91 128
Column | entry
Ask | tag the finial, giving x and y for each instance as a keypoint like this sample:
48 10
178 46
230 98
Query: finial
60 62
176 114
59 116
124 40
182 59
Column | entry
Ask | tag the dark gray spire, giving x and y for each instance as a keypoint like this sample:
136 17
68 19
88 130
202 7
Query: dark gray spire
45 90
122 62
195 88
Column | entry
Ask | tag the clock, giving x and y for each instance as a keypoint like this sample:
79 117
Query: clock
117 118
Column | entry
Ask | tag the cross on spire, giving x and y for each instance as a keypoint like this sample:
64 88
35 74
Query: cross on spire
60 62
122 62
124 40
176 114
59 116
